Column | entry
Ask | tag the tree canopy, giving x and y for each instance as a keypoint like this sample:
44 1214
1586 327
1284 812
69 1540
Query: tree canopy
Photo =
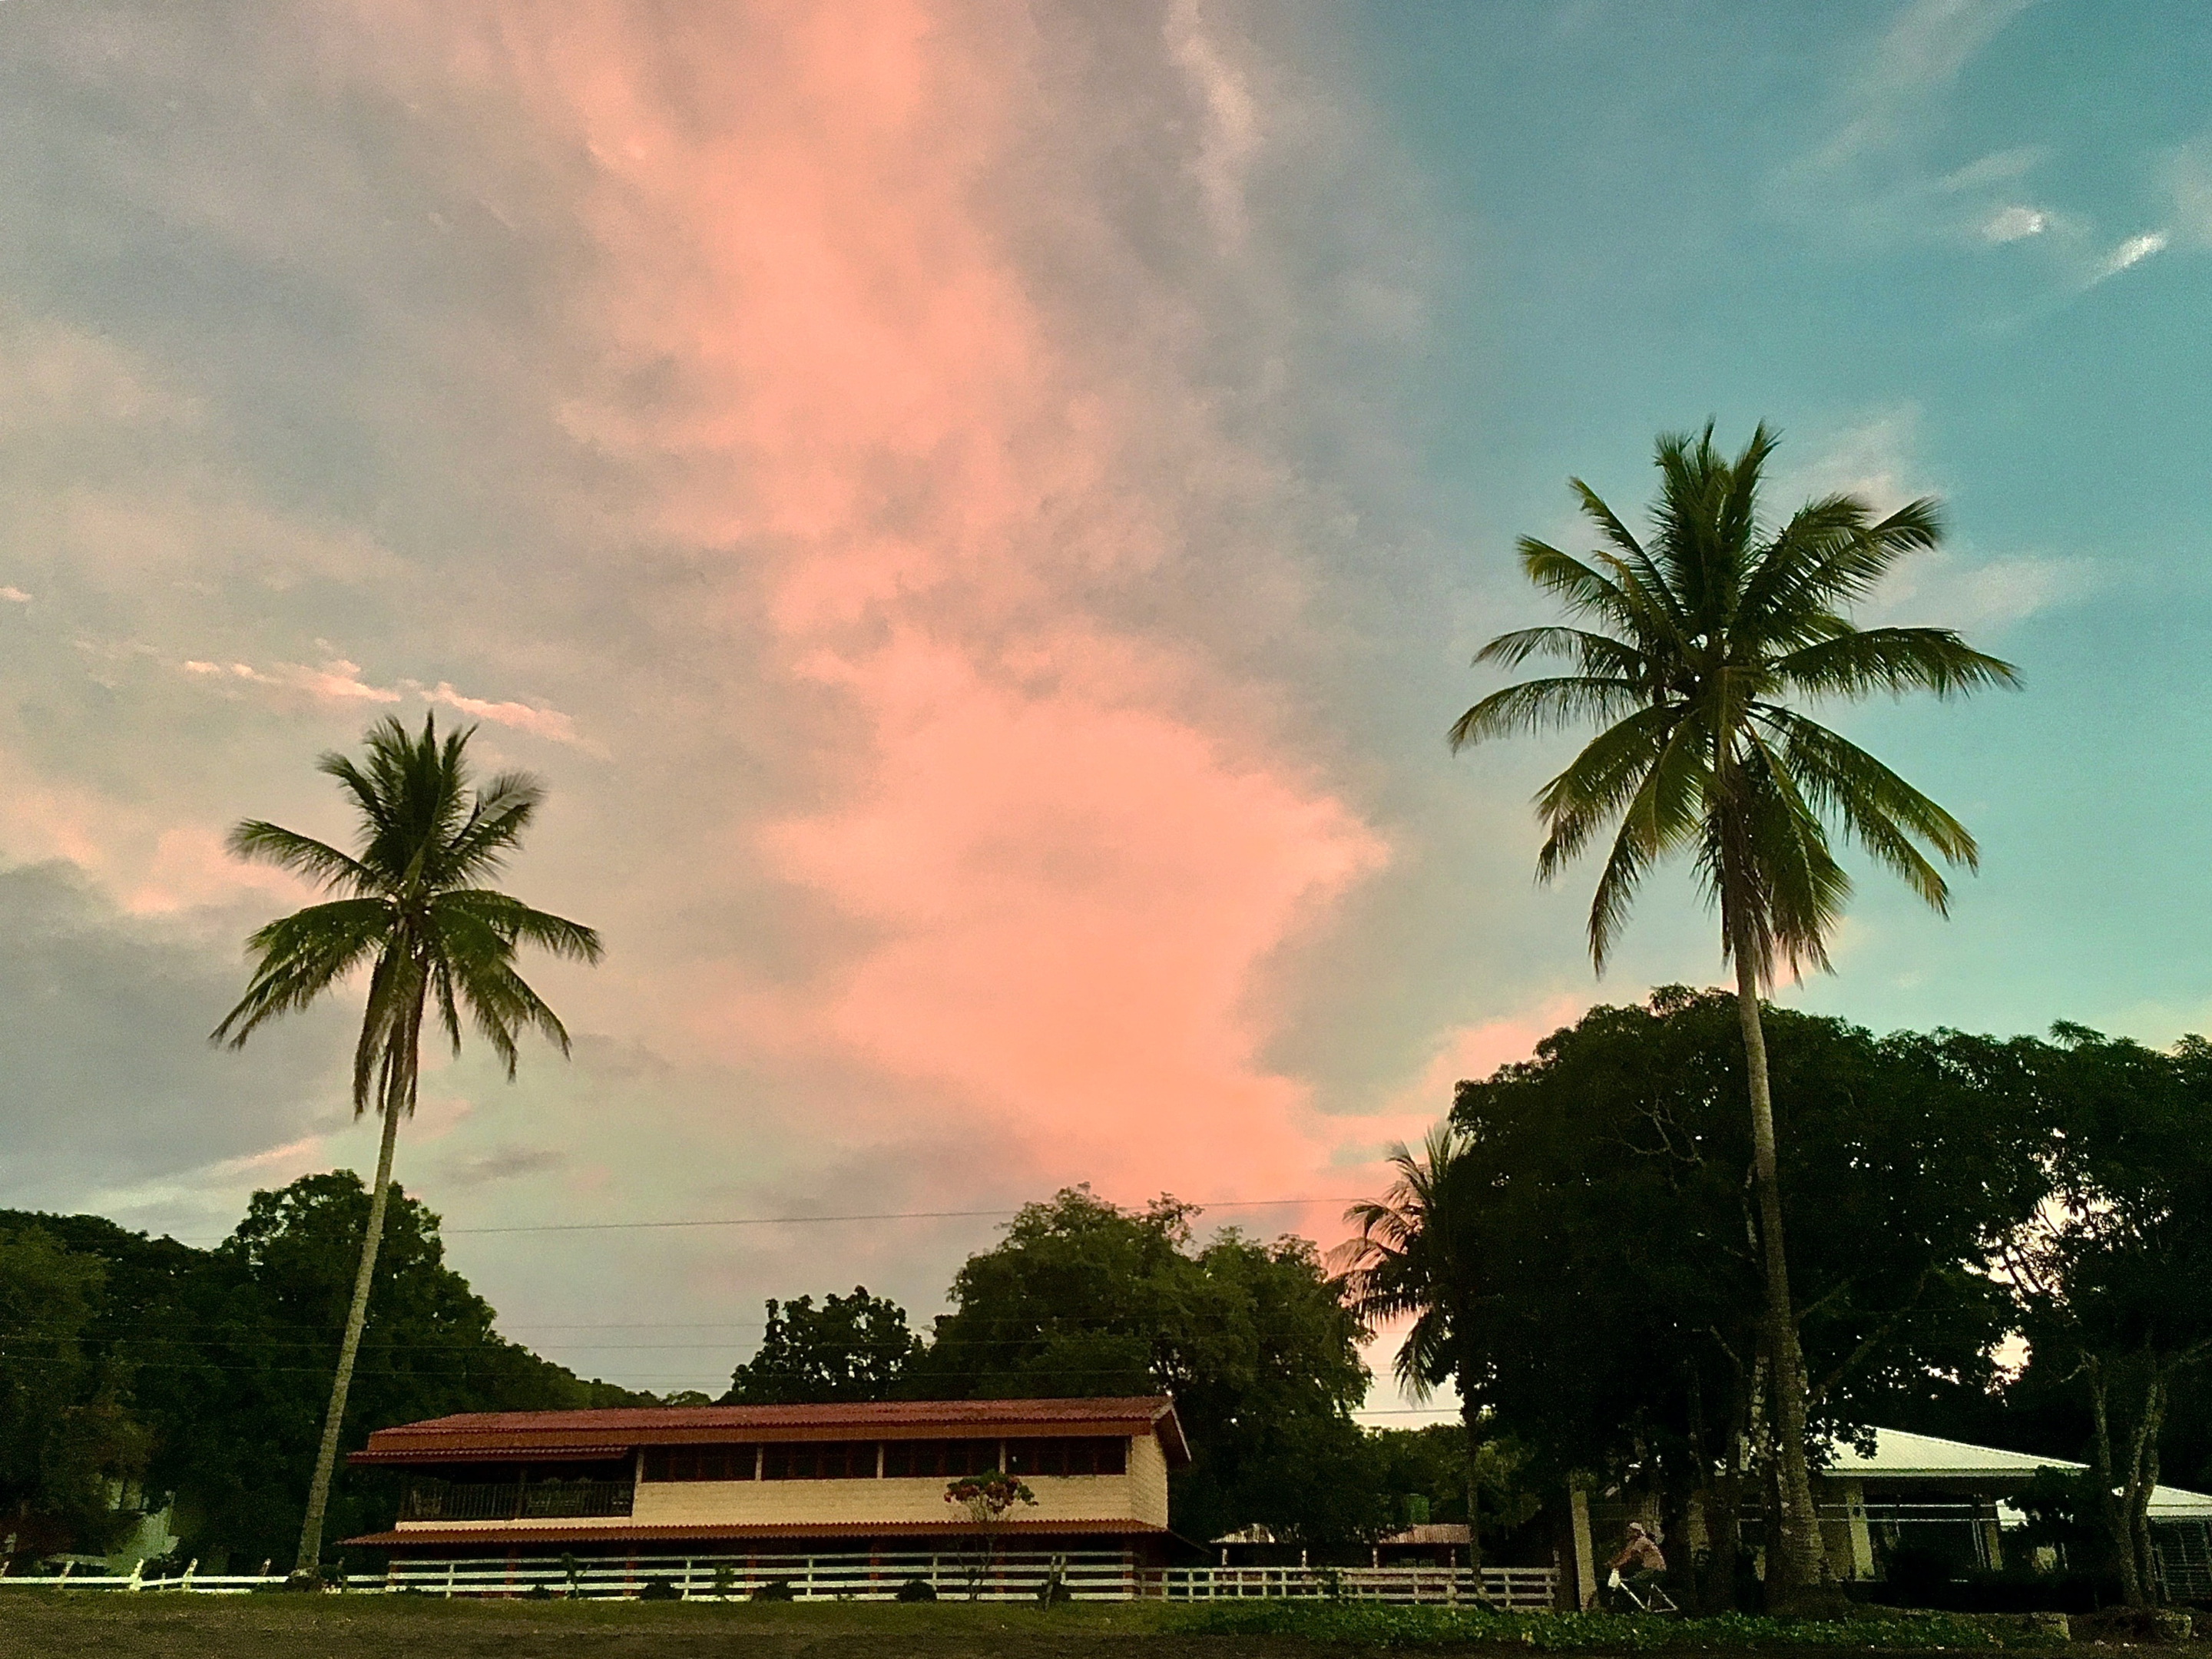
850 1347
1083 1296
1615 1313
202 1375
1695 653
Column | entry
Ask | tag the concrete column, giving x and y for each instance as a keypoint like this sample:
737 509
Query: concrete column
1585 1556
1861 1536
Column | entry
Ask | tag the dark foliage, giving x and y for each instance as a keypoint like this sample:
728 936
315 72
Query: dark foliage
206 1371
1084 1297
1617 1295
852 1347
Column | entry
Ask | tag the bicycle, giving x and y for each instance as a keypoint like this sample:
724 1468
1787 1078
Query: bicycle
1647 1593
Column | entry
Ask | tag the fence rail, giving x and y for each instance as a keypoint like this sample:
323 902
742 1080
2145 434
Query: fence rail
1521 1589
1012 1575
191 1578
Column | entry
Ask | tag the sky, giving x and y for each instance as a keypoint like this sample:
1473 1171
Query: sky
980 514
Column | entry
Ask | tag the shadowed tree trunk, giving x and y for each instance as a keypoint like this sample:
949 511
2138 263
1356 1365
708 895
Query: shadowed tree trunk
1801 1556
398 1092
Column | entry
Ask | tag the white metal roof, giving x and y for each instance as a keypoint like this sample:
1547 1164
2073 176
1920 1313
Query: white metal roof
1899 1456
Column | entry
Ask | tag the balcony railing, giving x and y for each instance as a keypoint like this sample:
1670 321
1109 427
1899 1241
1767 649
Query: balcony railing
539 1500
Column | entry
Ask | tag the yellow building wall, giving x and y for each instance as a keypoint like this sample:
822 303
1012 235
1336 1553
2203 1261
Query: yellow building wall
1139 1495
690 1503
1148 1481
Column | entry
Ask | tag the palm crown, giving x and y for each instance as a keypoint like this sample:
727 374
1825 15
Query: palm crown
1697 644
414 904
1402 1262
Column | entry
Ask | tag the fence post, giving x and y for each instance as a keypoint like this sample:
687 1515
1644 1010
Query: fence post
450 1565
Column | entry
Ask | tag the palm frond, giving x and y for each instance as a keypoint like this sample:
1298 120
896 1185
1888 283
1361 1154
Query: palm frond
1659 608
298 957
1599 782
258 842
1857 662
1598 655
1879 809
1789 876
519 924
1666 813
1584 592
1545 705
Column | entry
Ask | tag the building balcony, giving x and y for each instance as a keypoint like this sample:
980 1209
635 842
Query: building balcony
511 1500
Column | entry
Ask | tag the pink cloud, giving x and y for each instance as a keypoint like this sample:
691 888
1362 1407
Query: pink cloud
522 716
1071 851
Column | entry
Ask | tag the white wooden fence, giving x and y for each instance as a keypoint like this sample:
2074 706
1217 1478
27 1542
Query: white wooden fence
1518 1589
191 1578
1012 1575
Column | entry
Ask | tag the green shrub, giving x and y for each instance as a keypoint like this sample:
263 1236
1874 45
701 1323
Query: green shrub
1373 1624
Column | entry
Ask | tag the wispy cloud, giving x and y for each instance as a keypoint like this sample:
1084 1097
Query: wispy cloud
339 681
1874 174
2132 251
2015 223
2187 177
1230 125
549 723
504 1163
1880 460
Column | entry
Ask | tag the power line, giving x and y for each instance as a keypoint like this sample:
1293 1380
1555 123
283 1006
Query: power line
799 1220
820 1220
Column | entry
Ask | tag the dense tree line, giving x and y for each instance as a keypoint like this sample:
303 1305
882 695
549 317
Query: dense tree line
1582 1249
1578 1246
134 1370
1082 1297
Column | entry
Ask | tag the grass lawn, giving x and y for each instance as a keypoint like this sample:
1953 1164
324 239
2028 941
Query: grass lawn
44 1624
49 1625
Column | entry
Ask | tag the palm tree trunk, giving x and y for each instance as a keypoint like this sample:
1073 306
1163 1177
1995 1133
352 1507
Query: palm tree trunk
1801 1555
399 1094
1471 1419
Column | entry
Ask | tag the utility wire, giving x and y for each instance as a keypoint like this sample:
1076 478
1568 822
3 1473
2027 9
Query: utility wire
801 1220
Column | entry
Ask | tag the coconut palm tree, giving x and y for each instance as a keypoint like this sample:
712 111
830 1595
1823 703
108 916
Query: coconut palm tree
1407 1263
414 908
1695 649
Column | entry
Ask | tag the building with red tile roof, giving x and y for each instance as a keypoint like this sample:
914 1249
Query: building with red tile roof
674 1479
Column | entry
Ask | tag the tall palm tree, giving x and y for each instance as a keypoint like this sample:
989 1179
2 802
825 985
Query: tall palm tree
1407 1262
1695 649
414 909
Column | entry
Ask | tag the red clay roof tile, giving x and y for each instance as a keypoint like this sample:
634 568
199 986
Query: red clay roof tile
569 1432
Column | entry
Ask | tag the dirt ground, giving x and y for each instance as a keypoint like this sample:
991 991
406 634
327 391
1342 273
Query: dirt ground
50 1625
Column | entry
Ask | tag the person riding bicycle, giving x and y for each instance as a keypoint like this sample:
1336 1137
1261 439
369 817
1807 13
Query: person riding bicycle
1640 1568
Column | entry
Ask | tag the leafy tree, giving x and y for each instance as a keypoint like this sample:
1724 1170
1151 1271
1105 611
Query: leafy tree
987 1499
852 1347
1428 1474
415 912
1697 645
1405 1264
219 1359
66 1439
1084 1297
2115 1273
1616 1295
